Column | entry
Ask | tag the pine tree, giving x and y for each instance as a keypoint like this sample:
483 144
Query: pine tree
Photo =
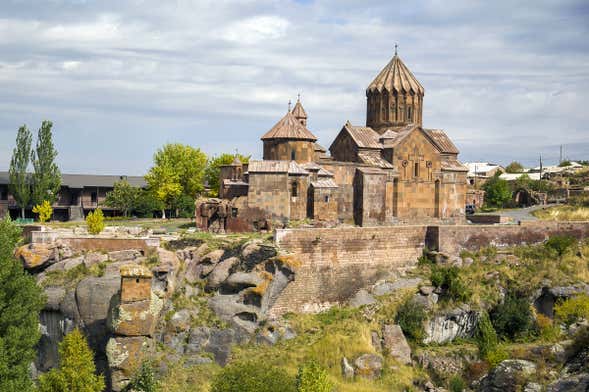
20 186
20 303
76 371
46 176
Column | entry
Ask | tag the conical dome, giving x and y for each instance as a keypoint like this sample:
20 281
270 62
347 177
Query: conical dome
298 110
289 128
396 77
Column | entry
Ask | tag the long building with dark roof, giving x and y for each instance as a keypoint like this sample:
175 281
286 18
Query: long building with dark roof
79 194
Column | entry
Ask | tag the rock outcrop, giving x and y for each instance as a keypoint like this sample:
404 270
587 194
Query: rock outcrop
460 322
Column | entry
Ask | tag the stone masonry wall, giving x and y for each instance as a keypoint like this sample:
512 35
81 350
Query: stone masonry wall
333 264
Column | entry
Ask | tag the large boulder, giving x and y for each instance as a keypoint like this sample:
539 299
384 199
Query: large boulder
368 366
255 251
124 357
92 258
36 256
548 296
124 255
573 383
394 342
137 318
66 265
55 296
221 272
238 281
509 376
460 322
385 288
361 298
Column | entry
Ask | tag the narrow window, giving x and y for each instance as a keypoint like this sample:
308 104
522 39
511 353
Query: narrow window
93 197
293 155
409 114
326 198
294 189
416 170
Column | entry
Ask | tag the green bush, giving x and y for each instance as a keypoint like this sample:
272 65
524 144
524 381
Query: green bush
561 243
252 376
76 371
144 380
313 378
497 192
457 384
95 221
485 335
573 309
410 317
513 318
448 279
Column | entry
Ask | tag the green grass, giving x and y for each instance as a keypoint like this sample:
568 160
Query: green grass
72 277
170 225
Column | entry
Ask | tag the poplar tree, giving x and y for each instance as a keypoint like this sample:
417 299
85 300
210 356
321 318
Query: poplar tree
46 175
20 186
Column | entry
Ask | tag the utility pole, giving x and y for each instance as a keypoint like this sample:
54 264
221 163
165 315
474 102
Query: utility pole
540 166
560 160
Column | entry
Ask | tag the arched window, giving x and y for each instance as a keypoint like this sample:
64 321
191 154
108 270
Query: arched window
294 189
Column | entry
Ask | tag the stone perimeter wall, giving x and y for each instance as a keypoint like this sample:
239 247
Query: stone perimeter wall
333 264
336 263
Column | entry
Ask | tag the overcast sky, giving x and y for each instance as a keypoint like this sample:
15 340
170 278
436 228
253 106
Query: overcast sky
506 80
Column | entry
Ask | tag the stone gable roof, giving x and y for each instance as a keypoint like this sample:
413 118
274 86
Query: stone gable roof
364 137
324 183
289 128
268 167
396 77
453 165
375 160
442 141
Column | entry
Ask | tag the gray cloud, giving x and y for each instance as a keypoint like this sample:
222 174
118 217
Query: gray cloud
120 78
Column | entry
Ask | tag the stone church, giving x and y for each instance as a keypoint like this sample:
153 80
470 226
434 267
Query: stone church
392 170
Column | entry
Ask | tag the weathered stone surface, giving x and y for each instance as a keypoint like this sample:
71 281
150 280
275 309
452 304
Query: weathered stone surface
361 298
384 288
444 365
219 345
255 251
426 290
66 265
368 366
198 339
93 296
180 321
347 369
124 356
124 255
241 280
35 256
395 344
175 341
92 258
134 318
509 376
221 272
227 306
54 297
546 297
428 301
574 383
457 323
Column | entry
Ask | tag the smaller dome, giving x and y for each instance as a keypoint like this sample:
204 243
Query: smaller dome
289 127
298 110
395 76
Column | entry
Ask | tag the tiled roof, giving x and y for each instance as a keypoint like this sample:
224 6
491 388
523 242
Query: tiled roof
374 160
442 141
298 110
324 183
296 169
395 76
453 165
289 128
89 180
311 166
364 137
391 142
268 167
318 147
324 173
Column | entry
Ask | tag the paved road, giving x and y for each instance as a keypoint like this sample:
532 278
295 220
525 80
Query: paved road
523 214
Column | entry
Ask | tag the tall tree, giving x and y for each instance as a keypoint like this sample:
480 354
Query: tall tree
514 167
178 170
123 196
46 175
20 303
497 192
20 186
213 169
76 371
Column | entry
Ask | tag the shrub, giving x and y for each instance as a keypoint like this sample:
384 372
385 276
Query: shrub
95 221
449 281
573 309
514 167
496 356
549 332
457 384
512 318
485 335
410 317
560 243
313 378
497 192
144 380
44 210
76 368
252 376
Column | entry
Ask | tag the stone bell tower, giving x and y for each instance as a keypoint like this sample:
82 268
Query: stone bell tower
394 98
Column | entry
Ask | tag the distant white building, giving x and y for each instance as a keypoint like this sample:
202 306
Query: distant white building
482 171
515 176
